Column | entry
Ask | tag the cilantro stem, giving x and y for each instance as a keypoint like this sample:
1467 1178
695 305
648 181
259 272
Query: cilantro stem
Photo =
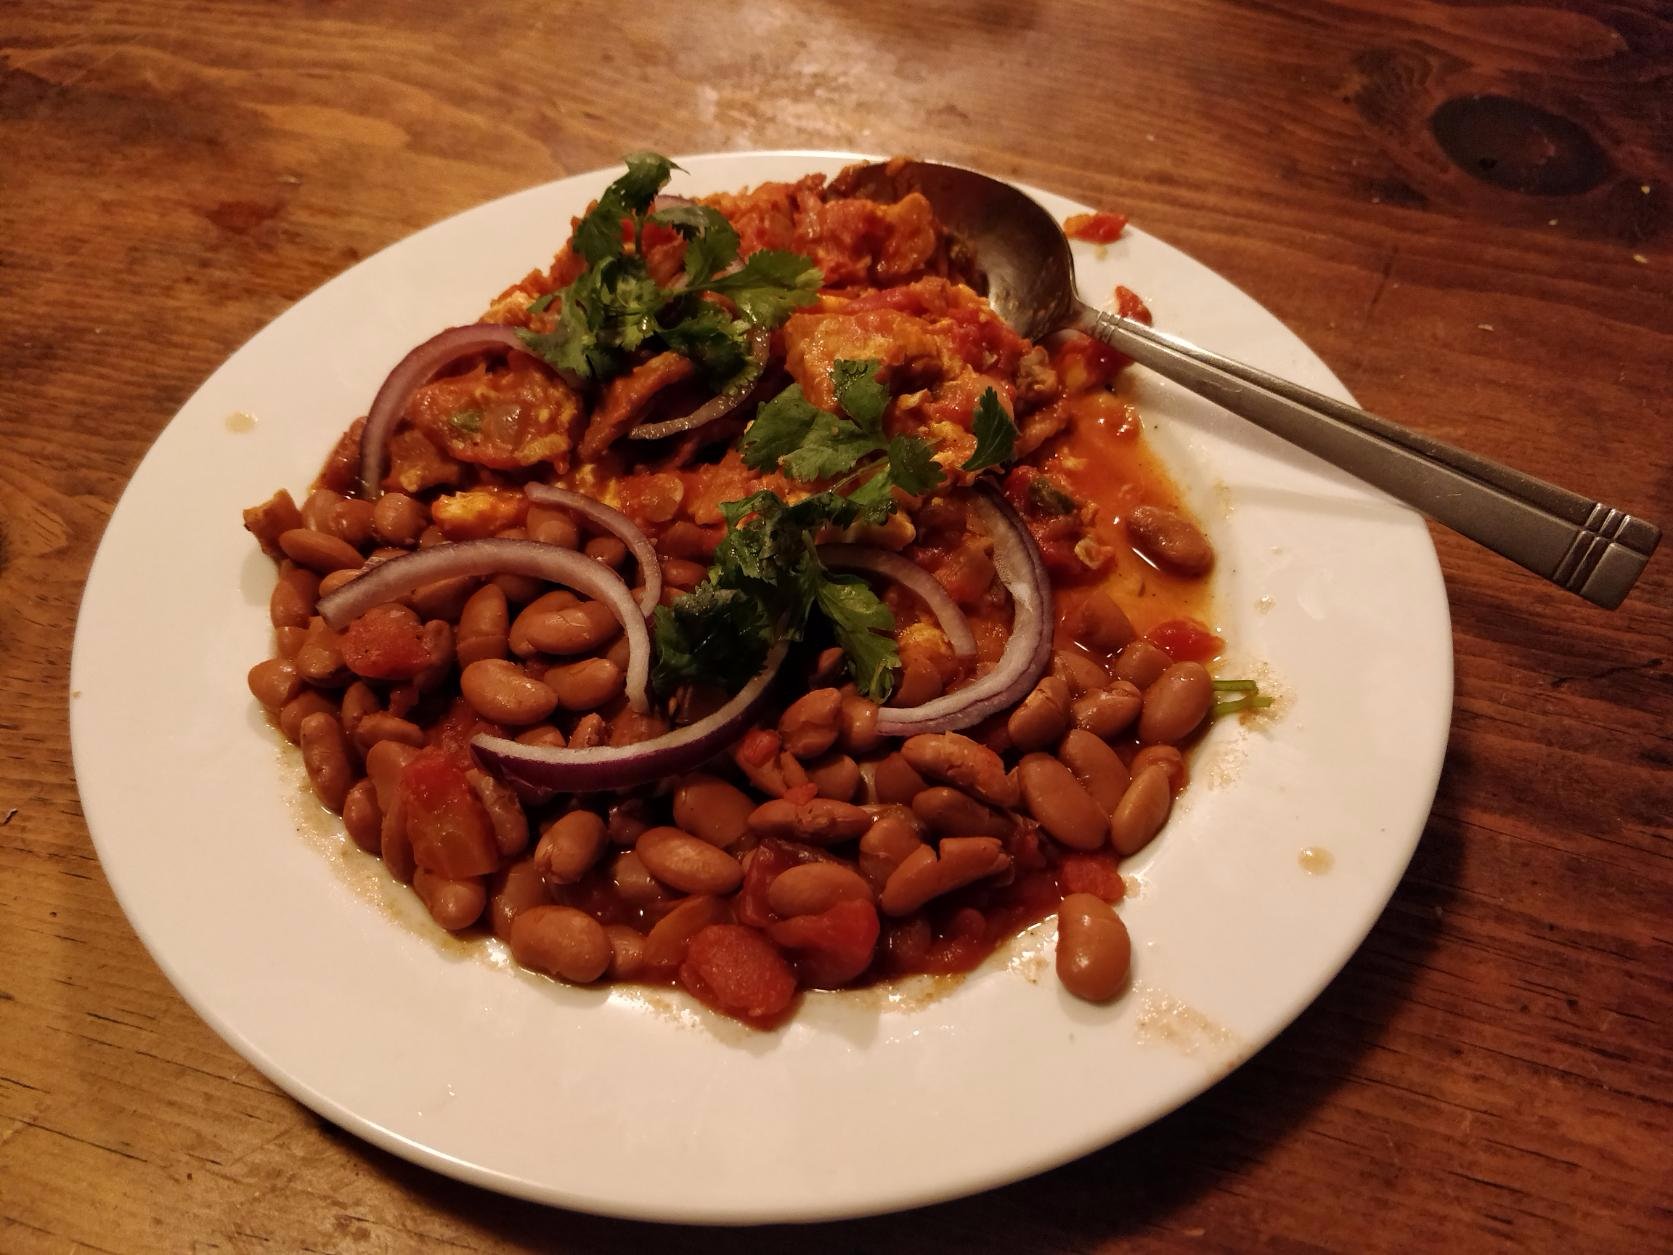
1251 701
1236 686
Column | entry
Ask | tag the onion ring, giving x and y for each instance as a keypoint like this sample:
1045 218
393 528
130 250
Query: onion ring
618 525
412 372
913 578
389 580
1027 650
544 770
722 403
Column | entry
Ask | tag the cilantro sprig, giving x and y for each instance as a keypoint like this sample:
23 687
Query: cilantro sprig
615 307
792 435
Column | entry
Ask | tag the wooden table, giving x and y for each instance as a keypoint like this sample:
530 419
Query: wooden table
1466 210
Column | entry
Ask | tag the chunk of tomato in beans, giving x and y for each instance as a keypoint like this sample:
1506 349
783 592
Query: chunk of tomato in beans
386 643
1102 227
738 972
770 860
447 826
1185 640
831 948
1091 873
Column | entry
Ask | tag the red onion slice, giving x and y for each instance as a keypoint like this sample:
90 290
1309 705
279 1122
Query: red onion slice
413 371
719 405
912 577
543 770
618 525
389 580
1027 651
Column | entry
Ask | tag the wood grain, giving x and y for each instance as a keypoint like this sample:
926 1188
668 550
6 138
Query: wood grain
1494 1070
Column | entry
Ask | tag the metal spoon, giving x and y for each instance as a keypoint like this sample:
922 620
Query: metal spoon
1579 544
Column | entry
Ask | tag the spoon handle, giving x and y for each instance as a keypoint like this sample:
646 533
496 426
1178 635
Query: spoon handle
1578 544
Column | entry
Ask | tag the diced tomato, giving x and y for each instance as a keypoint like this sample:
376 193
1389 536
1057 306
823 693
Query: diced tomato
738 972
1096 228
1091 873
446 824
1129 304
1185 640
452 733
769 859
831 948
386 643
801 794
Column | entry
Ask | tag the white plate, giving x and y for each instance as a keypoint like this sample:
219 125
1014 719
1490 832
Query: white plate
344 995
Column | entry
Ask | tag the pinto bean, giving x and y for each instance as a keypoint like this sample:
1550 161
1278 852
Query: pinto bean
589 730
919 682
1176 704
606 549
584 628
543 734
454 904
331 583
298 708
1107 712
325 754
821 821
837 776
627 951
828 668
398 519
1063 808
633 883
893 834
811 888
395 843
858 724
317 507
893 779
350 520
1170 540
809 726
1141 663
359 701
1041 717
569 846
502 692
561 941
626 820
443 599
687 863
1142 811
666 943
1094 951
710 808
287 640
960 761
320 660
274 681
293 597
1079 671
951 813
505 812
1098 768
363 817
515 889
678 573
585 685
1098 623
485 613
380 725
927 873
385 761
1168 758
318 551
686 540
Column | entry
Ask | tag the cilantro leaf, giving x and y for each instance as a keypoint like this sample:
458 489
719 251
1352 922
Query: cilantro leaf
540 303
599 234
769 285
711 242
714 340
912 465
779 428
996 434
862 624
466 422
859 392
711 634
832 446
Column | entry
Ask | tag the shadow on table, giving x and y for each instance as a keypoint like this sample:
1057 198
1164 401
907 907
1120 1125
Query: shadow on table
1146 1182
